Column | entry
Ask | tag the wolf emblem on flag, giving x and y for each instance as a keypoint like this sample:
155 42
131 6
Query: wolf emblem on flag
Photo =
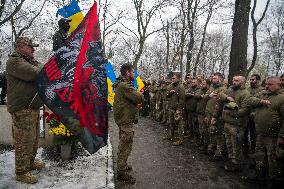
73 84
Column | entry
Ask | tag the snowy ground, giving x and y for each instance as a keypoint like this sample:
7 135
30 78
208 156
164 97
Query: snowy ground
87 172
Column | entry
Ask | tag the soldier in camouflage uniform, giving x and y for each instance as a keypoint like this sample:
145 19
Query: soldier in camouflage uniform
187 86
269 124
125 109
164 90
152 90
159 100
250 136
200 110
213 118
190 104
176 98
23 104
235 117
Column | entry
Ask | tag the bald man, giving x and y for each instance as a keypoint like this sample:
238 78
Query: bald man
269 125
235 116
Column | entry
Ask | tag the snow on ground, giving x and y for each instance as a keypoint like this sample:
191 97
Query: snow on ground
87 172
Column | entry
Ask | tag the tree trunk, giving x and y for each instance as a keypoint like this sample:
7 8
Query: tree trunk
238 55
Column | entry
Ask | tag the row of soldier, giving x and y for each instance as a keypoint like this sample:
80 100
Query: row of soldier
232 124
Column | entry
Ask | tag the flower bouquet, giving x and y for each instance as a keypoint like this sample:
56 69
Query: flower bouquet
63 137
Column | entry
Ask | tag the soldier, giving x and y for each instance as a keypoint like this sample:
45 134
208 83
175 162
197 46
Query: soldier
60 36
159 101
235 117
4 88
125 109
23 104
164 90
200 110
152 90
176 98
269 124
190 105
187 85
213 119
249 137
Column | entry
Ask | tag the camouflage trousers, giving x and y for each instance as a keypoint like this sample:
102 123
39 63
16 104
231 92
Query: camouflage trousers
126 134
176 122
203 130
26 136
165 112
266 158
193 123
234 136
216 136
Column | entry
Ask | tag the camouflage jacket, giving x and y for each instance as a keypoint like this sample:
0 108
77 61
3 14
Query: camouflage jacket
191 100
269 120
239 114
212 103
176 100
202 101
125 103
254 91
21 88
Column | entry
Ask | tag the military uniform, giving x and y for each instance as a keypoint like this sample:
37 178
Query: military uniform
235 117
23 104
164 90
250 135
152 90
269 124
159 103
125 109
200 110
216 137
176 103
191 103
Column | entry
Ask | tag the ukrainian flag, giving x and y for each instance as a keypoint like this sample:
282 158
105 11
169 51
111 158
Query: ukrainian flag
138 83
111 78
73 12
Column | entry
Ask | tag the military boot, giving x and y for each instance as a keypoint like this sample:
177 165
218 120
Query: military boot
26 178
37 165
125 177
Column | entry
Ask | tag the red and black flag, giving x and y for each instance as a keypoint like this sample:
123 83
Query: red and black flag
73 84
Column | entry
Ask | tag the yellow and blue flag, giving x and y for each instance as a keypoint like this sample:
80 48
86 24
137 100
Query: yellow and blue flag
73 12
111 78
138 83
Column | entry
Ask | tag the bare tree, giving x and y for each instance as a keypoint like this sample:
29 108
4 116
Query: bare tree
9 15
275 36
254 33
144 17
18 30
211 3
238 55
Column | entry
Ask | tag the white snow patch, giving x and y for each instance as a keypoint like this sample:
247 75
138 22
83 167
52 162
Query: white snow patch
88 172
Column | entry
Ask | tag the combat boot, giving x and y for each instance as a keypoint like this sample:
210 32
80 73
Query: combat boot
125 177
178 143
27 178
37 165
